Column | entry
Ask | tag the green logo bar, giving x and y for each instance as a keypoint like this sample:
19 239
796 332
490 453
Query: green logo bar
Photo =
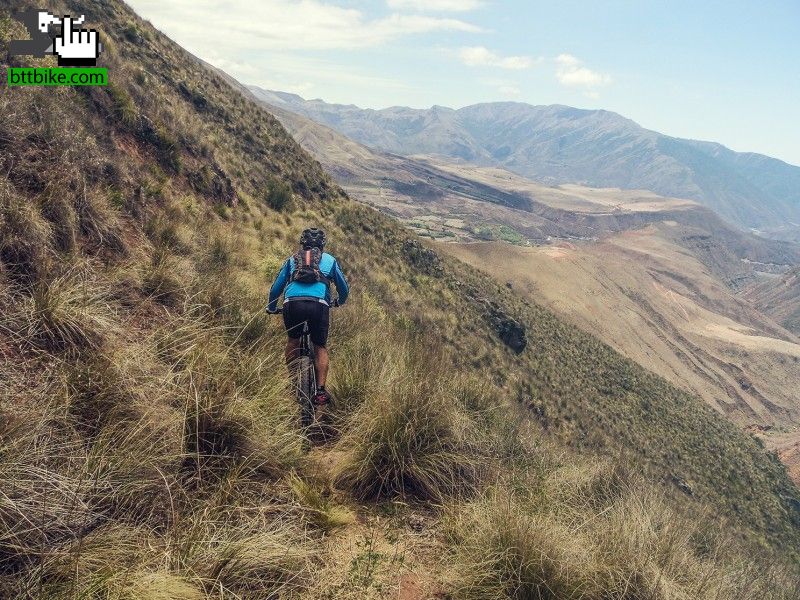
57 76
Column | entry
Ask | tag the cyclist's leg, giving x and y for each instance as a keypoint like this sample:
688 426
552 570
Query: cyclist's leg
321 362
293 319
319 335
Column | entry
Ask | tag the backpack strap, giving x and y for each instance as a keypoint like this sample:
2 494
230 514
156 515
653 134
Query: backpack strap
325 278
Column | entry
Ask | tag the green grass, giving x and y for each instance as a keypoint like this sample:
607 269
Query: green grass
498 232
323 511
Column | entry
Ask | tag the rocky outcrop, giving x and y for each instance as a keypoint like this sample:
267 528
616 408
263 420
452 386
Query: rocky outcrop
424 259
510 331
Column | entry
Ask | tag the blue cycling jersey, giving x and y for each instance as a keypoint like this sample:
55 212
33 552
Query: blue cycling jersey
296 289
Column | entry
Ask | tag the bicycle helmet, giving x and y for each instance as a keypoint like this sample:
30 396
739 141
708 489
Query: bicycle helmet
312 238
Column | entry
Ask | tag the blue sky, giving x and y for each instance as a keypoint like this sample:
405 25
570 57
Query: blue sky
721 71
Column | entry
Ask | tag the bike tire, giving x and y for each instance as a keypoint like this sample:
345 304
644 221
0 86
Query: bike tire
305 391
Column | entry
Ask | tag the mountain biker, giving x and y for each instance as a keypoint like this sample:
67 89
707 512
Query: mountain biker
304 281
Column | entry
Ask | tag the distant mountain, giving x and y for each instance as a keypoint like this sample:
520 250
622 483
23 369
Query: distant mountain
434 196
560 144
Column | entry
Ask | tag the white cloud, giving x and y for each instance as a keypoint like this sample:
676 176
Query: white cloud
284 24
290 73
571 72
501 88
567 60
435 5
478 56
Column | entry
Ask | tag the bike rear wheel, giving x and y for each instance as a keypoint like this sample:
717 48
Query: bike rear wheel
306 388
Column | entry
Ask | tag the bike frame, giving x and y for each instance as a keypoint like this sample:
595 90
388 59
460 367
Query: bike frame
304 376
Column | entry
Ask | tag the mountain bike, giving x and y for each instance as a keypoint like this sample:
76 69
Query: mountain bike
304 380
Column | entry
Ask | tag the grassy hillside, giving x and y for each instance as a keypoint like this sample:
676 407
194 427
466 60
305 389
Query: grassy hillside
148 441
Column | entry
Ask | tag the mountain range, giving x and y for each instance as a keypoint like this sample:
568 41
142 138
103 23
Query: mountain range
561 144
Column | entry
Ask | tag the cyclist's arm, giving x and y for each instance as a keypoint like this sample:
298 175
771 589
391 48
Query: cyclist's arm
280 283
342 289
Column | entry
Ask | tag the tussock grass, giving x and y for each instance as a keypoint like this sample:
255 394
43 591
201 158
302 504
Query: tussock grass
410 428
39 507
218 254
168 231
100 562
479 400
40 504
408 437
68 313
582 486
266 563
582 542
243 550
100 393
61 215
162 585
160 281
505 553
134 465
100 223
234 405
24 234
360 369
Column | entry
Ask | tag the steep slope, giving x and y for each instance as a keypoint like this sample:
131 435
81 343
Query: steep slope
657 304
149 446
561 144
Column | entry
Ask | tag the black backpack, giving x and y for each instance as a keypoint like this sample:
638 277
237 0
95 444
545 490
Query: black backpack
306 266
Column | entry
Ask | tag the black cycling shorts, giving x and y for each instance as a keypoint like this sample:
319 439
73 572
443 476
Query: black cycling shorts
296 312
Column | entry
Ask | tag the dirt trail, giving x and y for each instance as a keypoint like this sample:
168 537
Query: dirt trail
390 551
